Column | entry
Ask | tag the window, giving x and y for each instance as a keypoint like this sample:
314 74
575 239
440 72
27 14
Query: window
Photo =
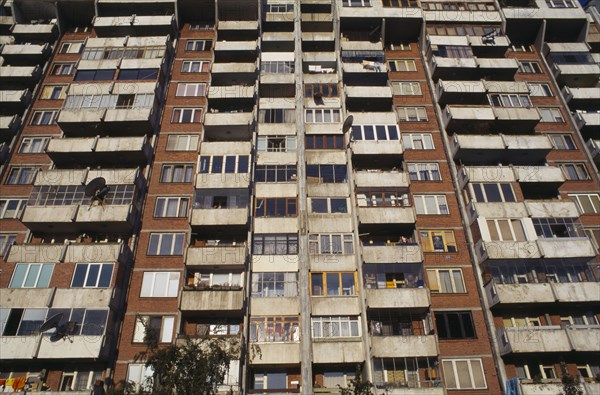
138 74
335 326
356 3
328 205
400 46
21 175
140 100
278 7
276 115
417 141
325 244
270 380
437 240
140 375
218 327
97 75
12 208
431 204
550 228
492 192
182 142
220 280
176 173
53 92
454 325
33 145
375 132
539 89
402 65
575 171
326 173
201 26
424 171
224 164
325 115
445 280
190 89
275 207
550 115
227 198
562 141
275 173
31 275
274 284
382 198
153 328
400 4
506 100
160 285
463 373
47 117
198 45
587 203
195 66
275 244
506 230
325 90
521 48
276 143
460 30
63 69
560 4
412 114
6 241
166 244
324 141
171 207
333 284
186 115
65 195
71 47
92 275
407 88
453 51
277 66
530 67
277 329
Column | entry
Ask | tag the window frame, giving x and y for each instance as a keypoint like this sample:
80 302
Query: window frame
191 144
431 172
14 175
442 318
38 117
575 171
38 276
421 208
87 274
435 283
420 114
165 205
198 45
454 373
402 85
187 66
187 172
174 249
444 234
426 139
178 115
168 292
562 141
324 243
4 207
590 196
48 92
352 322
42 143
290 207
142 322
198 89
408 65
325 281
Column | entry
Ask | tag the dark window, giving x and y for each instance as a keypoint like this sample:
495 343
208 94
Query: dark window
94 75
275 244
324 141
274 173
138 74
455 325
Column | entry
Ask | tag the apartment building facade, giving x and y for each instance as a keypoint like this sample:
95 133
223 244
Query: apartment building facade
404 187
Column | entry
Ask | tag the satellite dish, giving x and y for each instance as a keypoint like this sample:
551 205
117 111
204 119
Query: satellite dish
94 186
52 322
64 331
347 124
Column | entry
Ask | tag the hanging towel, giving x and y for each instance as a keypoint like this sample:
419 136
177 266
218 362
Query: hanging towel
512 386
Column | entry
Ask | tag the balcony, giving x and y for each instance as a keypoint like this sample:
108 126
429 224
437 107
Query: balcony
500 68
236 125
76 252
386 215
516 118
24 298
14 101
277 353
212 300
368 98
499 148
121 26
486 174
523 294
461 92
465 16
407 253
587 122
122 120
234 92
220 217
539 175
594 148
570 248
329 306
25 54
81 347
468 118
335 350
19 77
225 255
582 98
9 127
404 346
233 47
227 180
44 32
453 68
384 179
401 298
365 147
100 151
506 250
548 339
551 208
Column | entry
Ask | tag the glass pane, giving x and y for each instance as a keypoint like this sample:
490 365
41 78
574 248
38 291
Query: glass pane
18 276
333 284
462 369
93 272
30 280
478 378
105 276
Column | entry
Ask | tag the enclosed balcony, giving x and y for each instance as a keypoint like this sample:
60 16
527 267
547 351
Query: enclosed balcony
25 54
572 64
217 255
404 346
212 300
100 151
40 32
395 285
384 179
135 25
500 148
19 77
220 208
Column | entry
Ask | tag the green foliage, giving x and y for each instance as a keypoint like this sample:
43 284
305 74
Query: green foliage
358 386
571 384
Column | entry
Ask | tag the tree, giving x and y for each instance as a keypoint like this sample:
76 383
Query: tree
358 386
571 384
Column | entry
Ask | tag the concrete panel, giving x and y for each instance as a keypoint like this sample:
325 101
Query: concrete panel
275 306
96 252
340 351
533 339
229 180
380 179
88 347
276 225
224 216
24 298
344 263
500 210
279 158
567 248
519 293
216 256
331 305
226 148
327 190
326 157
377 147
82 298
329 223
109 213
509 250
36 253
33 214
585 339
275 263
276 353
385 215
403 346
19 347
552 208
398 298
577 292
212 300
392 254
279 189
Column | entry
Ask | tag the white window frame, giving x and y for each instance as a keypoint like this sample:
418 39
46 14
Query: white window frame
40 115
412 114
182 111
328 200
29 143
407 88
440 204
340 320
510 222
581 172
188 141
48 92
190 89
539 89
37 278
16 213
289 142
173 166
140 375
561 4
187 66
71 47
194 42
314 239
180 206
407 65
430 169
356 3
18 170
454 372
160 237
87 273
165 334
591 197
375 137
65 69
426 139
451 270
551 115
152 289
562 141
311 115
